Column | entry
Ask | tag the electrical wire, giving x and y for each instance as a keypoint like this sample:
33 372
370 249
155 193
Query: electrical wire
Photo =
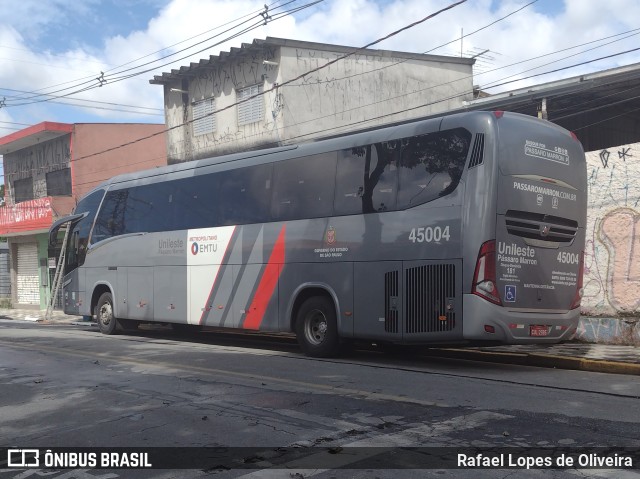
341 126
294 79
110 79
92 77
427 51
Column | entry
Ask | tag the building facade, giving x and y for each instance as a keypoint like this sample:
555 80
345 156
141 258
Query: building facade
48 167
243 99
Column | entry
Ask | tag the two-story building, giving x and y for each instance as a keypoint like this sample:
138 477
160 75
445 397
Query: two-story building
47 168
244 99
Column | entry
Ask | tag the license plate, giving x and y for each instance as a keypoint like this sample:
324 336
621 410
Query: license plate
537 330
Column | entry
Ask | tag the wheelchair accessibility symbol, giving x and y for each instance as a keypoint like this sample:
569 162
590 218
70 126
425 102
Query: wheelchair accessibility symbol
510 293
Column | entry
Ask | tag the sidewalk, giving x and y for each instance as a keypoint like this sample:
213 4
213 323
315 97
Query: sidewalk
577 354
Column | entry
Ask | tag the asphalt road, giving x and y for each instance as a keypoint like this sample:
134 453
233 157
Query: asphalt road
69 386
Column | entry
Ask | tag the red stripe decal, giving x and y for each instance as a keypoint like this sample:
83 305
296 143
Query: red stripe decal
267 285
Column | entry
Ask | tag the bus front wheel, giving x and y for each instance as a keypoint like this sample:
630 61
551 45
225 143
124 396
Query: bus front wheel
317 327
104 314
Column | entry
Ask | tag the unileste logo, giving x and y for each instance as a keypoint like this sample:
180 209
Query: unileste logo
170 246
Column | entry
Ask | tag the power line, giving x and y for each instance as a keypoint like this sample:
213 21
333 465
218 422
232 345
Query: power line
565 68
411 25
157 112
341 126
427 51
91 101
92 77
252 14
353 52
110 79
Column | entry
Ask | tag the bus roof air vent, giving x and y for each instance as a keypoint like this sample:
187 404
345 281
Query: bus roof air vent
477 152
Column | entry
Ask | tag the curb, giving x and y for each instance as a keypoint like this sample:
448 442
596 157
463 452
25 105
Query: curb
541 360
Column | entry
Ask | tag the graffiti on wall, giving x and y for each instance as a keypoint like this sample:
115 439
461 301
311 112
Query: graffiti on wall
612 256
43 157
222 82
35 162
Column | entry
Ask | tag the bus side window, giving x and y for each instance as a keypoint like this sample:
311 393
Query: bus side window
245 195
139 214
195 202
303 188
350 181
366 181
381 178
431 166
110 220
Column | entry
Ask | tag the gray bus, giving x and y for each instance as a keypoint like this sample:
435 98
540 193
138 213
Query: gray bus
465 228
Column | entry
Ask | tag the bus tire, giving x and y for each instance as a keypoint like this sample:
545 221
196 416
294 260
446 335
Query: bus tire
104 314
317 327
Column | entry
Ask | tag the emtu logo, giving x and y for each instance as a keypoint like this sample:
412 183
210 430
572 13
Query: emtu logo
23 458
194 249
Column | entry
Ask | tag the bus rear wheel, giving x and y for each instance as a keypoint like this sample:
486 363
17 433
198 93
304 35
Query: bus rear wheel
317 327
104 314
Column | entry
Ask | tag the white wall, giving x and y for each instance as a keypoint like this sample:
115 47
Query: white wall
334 99
362 91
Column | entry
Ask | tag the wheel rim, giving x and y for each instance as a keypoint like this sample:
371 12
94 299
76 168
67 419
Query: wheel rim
315 327
105 314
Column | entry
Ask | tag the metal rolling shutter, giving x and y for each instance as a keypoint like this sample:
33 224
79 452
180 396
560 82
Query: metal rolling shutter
28 284
5 274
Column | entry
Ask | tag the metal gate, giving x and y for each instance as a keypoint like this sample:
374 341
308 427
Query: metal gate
28 280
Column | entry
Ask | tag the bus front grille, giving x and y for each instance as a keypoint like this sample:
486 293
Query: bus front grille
390 302
540 226
430 293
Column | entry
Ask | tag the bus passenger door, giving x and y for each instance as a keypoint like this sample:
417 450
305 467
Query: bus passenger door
378 300
73 296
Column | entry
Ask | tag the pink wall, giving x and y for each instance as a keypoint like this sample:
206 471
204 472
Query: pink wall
91 164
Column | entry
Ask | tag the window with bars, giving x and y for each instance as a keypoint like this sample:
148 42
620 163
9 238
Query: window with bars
253 110
59 182
204 120
23 190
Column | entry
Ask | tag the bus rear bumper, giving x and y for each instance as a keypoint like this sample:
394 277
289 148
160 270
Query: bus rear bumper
485 321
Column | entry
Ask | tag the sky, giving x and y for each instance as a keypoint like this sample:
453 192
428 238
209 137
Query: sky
51 51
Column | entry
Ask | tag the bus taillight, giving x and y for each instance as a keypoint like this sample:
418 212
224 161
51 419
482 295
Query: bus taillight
484 278
579 289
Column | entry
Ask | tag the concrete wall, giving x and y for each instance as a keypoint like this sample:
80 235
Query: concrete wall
365 90
335 99
612 256
89 169
36 162
221 83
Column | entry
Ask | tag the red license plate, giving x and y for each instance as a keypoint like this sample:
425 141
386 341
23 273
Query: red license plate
538 330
